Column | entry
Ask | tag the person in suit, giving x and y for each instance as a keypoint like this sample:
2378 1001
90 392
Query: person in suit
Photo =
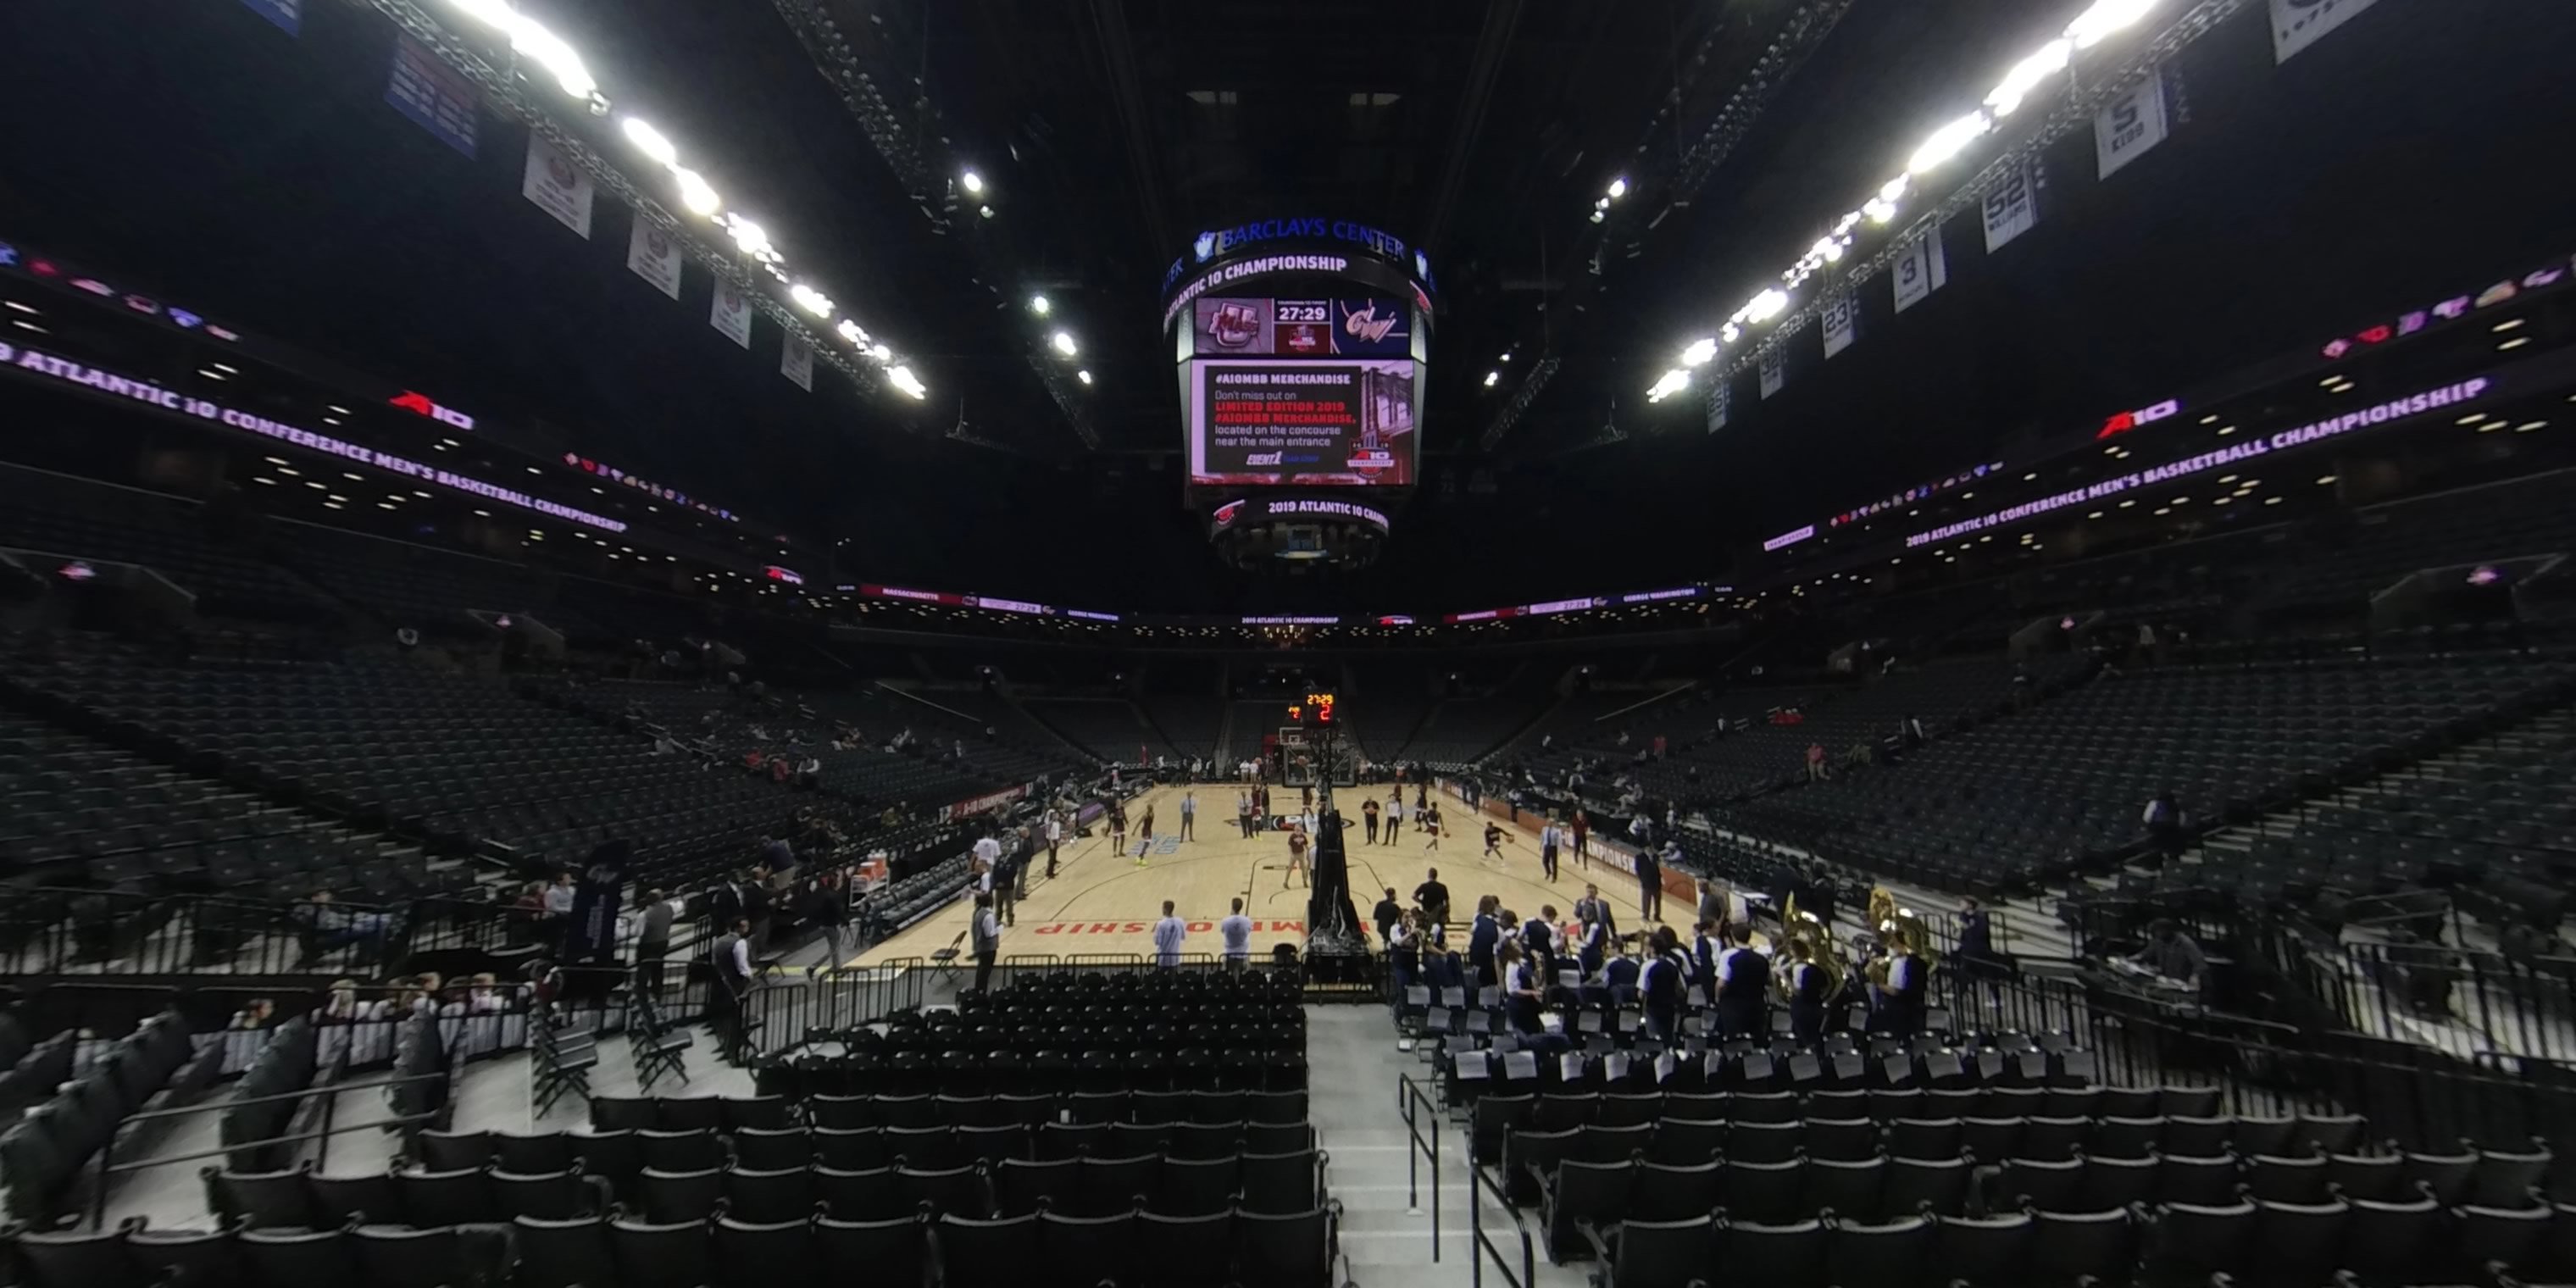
986 929
653 941
1593 907
1549 837
1387 913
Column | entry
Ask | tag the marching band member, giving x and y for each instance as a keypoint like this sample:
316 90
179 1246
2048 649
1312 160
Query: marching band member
1743 990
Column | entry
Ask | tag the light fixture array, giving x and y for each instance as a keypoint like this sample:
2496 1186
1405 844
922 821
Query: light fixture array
541 48
2099 21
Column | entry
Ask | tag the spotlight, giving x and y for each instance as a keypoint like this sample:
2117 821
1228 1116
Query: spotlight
971 181
1038 304
1084 376
650 142
1063 342
1618 189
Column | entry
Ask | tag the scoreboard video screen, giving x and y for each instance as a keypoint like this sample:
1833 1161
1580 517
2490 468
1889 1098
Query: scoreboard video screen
1318 327
1325 423
1313 391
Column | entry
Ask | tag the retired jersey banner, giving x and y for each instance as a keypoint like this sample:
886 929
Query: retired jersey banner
731 313
796 361
432 95
1922 267
2012 205
556 187
287 14
2297 24
1775 369
1721 401
2131 123
651 254
1841 323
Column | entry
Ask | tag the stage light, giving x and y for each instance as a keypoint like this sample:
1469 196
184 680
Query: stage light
1879 211
695 192
2097 24
1039 305
751 237
971 181
2029 74
1672 382
650 142
1493 378
985 211
1063 342
903 379
1699 353
1618 189
1597 216
1084 376
810 300
531 40
1766 306
882 353
1948 141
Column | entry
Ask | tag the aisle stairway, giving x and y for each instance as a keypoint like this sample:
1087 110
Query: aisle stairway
1353 1065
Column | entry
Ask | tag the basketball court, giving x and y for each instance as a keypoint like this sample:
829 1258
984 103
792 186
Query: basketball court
1099 902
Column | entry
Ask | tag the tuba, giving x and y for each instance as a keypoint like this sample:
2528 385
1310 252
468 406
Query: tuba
1823 953
1889 919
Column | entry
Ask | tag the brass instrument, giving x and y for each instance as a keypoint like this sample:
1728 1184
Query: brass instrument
1823 954
1891 920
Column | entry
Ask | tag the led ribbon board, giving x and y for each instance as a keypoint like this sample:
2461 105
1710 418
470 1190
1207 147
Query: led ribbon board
65 371
2394 409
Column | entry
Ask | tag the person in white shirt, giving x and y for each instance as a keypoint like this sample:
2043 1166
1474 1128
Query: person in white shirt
1054 838
1236 933
1169 934
1189 815
1549 837
988 855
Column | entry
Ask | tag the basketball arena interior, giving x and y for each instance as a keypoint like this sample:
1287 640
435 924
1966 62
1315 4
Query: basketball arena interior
1797 643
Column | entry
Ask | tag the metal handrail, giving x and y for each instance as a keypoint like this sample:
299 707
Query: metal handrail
108 1166
1477 1183
1408 1093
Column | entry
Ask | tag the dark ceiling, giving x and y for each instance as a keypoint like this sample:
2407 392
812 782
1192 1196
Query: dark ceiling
200 149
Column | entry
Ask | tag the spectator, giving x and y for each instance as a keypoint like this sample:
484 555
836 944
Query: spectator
2172 954
1581 830
2164 819
1235 933
1816 771
1169 935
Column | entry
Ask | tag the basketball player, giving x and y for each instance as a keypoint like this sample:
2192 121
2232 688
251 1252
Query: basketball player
1296 858
1430 817
1145 830
1117 828
1494 841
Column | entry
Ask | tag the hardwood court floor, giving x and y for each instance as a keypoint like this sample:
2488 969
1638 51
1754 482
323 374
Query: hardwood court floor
1099 902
